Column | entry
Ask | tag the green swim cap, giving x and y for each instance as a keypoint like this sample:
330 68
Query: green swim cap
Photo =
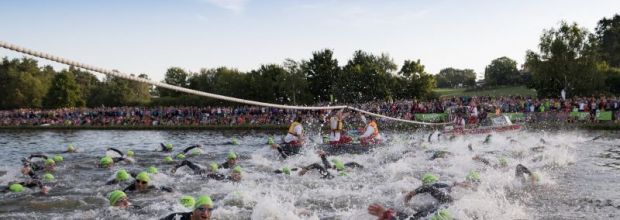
204 200
270 141
116 196
130 153
232 155
168 146
70 148
50 161
342 173
16 187
48 177
58 158
151 170
442 214
187 201
143 176
168 159
429 178
234 141
286 170
122 175
503 162
473 176
195 151
237 169
180 156
213 166
106 161
338 164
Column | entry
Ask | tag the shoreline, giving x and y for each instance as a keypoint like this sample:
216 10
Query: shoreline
602 126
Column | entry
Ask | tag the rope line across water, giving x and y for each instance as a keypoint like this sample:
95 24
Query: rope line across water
190 91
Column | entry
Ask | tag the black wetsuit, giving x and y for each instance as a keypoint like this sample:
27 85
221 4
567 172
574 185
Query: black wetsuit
164 148
133 188
439 154
287 150
199 170
28 184
34 166
226 165
520 172
439 191
118 159
179 216
323 170
191 148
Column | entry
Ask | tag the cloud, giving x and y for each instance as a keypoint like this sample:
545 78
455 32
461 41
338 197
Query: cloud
236 6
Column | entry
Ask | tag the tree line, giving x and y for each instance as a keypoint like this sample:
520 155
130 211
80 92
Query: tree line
569 58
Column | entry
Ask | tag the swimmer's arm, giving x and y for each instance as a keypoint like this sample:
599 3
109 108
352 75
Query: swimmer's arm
37 155
117 151
190 148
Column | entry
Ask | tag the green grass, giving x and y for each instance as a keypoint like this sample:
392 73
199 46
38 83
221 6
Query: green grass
498 91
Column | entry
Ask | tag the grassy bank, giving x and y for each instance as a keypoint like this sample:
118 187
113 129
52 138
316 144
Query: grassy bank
498 91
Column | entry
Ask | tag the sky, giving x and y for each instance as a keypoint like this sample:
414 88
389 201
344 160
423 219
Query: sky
149 36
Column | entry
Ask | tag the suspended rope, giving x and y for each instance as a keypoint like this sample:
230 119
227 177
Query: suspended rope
190 91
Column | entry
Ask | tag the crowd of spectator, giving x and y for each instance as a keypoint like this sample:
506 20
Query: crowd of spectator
473 108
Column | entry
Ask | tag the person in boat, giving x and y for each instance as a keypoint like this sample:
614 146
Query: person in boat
295 135
371 131
338 166
337 135
210 173
203 208
141 184
459 120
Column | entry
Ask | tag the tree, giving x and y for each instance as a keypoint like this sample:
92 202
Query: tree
608 36
177 77
64 92
321 72
567 60
417 83
22 83
502 71
451 78
366 77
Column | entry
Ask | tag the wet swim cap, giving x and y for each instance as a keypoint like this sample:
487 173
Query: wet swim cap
187 201
180 156
503 162
237 169
168 159
50 161
270 141
473 176
195 152
204 200
143 176
130 153
116 196
232 155
286 170
442 214
58 158
106 161
429 178
122 175
16 187
48 177
213 166
338 164
70 148
151 170
234 141
168 146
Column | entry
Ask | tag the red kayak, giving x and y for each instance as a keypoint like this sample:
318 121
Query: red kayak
497 124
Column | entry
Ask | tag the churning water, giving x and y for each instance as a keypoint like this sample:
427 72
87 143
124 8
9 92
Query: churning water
579 176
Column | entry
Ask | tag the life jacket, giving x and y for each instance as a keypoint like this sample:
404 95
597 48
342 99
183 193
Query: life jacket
339 126
375 132
291 129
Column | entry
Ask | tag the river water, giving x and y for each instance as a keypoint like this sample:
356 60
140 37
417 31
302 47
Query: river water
579 176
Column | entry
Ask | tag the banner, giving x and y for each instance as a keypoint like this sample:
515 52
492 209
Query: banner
431 117
580 115
519 116
603 116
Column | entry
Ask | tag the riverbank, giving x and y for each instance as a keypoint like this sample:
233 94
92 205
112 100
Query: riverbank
547 125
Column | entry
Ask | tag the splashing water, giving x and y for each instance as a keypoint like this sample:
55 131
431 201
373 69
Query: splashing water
577 179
